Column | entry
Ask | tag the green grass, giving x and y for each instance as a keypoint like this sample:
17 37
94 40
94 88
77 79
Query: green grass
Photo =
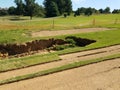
13 36
103 38
58 69
19 31
70 22
17 63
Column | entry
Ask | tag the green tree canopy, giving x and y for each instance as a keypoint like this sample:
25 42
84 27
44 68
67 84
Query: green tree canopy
51 8
60 7
20 7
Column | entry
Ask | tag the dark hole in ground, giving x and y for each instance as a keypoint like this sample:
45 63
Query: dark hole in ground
50 44
81 41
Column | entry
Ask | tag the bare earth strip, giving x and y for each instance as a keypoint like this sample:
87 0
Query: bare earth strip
101 76
66 59
64 32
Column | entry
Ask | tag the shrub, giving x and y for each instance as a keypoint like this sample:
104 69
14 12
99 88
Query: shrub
71 41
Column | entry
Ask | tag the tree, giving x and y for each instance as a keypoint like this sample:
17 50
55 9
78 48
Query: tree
68 6
20 7
80 11
101 10
77 12
60 7
51 8
88 11
107 10
39 10
116 11
29 8
3 11
12 10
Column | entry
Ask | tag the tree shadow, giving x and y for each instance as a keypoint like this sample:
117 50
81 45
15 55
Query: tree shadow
17 18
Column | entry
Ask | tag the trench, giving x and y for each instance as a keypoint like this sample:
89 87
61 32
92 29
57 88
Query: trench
49 44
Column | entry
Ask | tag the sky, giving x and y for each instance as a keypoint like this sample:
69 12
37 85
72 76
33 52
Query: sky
113 4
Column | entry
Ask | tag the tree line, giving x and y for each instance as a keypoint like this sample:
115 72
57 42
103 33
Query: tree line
51 8
89 11
30 8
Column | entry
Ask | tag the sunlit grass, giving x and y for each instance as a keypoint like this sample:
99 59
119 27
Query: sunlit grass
71 22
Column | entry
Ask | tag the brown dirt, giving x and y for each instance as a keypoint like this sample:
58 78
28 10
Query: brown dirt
64 32
66 59
100 76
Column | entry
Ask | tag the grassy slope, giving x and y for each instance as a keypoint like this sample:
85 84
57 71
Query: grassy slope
23 62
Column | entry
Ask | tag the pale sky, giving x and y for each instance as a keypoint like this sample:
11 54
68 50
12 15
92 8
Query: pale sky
113 4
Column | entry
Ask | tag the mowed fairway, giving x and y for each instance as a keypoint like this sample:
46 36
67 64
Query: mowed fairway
93 67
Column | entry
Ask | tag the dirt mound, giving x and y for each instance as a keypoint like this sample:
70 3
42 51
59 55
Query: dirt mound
28 47
13 49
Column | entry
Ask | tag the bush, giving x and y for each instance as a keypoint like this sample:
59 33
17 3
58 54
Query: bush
71 41
62 47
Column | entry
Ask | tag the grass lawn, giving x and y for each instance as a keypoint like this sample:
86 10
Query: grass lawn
103 38
18 31
71 22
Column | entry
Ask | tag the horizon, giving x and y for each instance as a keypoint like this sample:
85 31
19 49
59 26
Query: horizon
75 3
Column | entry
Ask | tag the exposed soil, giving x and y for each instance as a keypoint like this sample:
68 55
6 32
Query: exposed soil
100 76
36 45
66 59
64 32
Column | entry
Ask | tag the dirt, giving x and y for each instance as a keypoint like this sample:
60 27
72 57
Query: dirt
37 45
64 32
101 76
66 59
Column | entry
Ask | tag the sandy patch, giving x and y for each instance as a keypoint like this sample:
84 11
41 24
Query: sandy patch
64 32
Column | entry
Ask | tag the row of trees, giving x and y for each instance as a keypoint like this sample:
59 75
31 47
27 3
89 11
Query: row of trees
90 11
51 8
116 11
25 8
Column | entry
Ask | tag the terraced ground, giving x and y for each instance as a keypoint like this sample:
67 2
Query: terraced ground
99 76
66 59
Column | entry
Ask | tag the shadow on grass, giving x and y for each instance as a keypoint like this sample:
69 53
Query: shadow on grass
17 18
